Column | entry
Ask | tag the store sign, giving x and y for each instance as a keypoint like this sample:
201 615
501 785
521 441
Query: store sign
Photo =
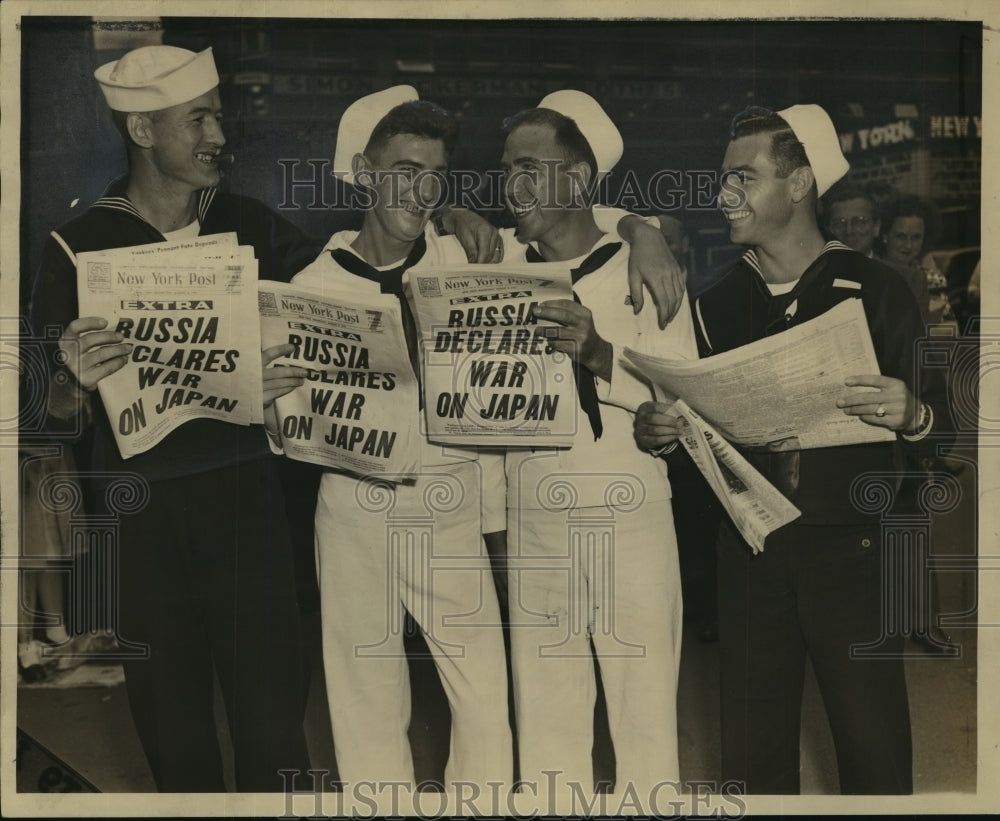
878 136
956 128
903 131
339 86
444 87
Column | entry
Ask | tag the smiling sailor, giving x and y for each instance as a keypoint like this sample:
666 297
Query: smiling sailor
205 567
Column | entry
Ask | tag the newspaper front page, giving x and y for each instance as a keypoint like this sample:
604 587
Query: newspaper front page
781 391
357 412
490 375
184 306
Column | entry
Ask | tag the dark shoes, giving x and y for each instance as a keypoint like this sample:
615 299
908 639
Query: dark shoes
31 666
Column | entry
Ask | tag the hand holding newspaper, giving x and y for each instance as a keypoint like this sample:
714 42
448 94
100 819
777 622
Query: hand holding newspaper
781 391
358 410
490 376
183 305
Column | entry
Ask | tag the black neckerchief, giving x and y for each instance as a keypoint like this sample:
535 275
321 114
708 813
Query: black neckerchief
391 282
586 389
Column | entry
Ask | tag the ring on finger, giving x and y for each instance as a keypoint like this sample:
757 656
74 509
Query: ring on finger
880 411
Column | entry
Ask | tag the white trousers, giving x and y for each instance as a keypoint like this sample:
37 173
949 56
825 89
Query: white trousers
381 548
611 576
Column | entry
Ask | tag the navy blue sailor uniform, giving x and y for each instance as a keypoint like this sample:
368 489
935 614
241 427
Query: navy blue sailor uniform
816 589
205 567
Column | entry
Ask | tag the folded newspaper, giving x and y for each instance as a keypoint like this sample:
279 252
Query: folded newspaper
754 504
780 392
183 306
358 410
490 375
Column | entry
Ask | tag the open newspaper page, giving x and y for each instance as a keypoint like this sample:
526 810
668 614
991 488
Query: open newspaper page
357 411
754 504
490 375
780 391
184 306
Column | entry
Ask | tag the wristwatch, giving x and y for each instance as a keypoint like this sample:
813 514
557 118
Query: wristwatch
663 450
925 421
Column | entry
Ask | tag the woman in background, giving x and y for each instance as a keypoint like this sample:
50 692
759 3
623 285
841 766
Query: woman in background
910 226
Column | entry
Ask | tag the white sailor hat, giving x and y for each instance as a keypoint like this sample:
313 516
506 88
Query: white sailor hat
359 121
604 139
813 128
152 78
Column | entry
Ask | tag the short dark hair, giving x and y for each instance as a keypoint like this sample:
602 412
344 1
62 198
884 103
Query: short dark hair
911 205
567 134
419 118
844 192
120 121
786 150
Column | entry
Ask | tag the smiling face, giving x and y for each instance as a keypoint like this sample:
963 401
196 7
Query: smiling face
538 186
757 203
404 188
184 139
853 222
904 240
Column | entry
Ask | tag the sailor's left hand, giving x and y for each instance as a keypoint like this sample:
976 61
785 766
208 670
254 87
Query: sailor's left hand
889 403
